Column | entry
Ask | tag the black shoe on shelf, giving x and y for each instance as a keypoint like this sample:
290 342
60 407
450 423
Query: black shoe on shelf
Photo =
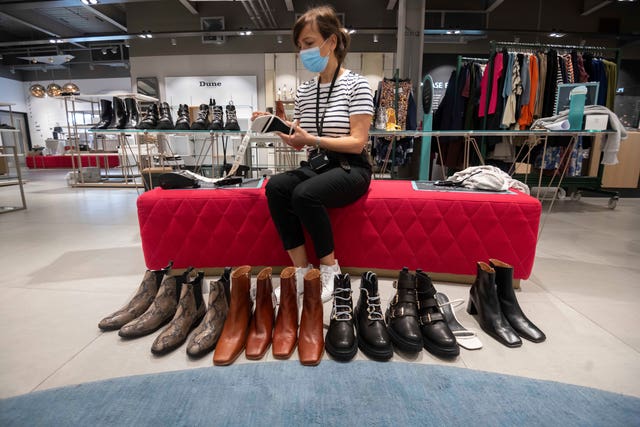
106 115
436 334
373 338
340 341
183 122
133 116
202 121
402 315
216 122
165 121
119 114
232 118
150 118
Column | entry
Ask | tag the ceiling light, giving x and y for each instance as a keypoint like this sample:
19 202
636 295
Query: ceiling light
351 31
142 36
12 70
174 42
93 1
279 38
85 2
557 35
50 60
114 50
375 38
52 40
457 32
37 90
149 35
104 50
127 45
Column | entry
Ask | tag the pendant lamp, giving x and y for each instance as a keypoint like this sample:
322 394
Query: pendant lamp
37 90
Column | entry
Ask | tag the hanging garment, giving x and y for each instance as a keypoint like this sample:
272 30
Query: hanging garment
387 99
526 115
569 67
611 70
551 84
583 77
525 77
450 116
542 74
509 114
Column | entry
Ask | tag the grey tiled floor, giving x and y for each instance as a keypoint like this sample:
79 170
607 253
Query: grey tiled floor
75 256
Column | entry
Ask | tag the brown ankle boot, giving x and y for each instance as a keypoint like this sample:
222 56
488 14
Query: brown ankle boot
311 338
285 333
191 310
236 326
205 337
261 327
140 302
160 312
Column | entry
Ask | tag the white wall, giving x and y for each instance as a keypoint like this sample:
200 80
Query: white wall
11 91
45 113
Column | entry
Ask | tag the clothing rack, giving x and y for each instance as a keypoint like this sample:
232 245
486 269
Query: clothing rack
579 183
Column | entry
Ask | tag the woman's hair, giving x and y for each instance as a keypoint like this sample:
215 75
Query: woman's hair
328 23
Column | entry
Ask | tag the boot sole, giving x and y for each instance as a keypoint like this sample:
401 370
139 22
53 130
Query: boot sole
341 355
436 350
402 344
373 353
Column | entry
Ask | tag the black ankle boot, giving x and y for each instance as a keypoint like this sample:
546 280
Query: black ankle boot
402 315
437 338
232 119
483 301
183 122
373 338
202 122
106 115
150 118
119 114
340 341
165 121
216 122
133 116
509 304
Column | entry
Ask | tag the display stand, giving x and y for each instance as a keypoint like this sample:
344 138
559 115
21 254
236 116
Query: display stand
10 179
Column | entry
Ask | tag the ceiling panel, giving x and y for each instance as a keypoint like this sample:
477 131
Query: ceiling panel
79 19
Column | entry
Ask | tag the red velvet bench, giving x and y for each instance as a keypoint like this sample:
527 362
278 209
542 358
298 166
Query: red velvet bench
393 225
65 162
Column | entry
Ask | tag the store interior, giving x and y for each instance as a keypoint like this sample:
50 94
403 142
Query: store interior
99 99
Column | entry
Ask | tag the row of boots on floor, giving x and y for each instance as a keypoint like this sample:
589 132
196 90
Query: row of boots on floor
124 114
231 322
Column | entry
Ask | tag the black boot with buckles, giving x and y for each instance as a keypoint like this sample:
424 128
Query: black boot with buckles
436 335
340 341
402 314
373 338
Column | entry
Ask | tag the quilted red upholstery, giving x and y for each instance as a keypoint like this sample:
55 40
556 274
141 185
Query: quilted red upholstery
64 162
390 227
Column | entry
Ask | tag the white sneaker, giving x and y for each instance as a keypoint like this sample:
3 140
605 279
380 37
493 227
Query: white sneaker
300 272
327 275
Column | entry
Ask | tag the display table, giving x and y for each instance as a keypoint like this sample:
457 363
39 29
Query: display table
65 161
392 226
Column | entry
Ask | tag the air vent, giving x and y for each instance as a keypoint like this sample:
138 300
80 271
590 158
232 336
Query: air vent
214 23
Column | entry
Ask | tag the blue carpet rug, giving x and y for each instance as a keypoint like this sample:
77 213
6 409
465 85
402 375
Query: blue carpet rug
362 393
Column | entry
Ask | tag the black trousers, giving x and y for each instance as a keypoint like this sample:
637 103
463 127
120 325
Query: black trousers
300 198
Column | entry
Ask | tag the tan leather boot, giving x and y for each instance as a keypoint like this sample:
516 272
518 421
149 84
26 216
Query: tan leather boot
140 302
206 335
311 339
160 312
191 310
236 326
285 333
261 327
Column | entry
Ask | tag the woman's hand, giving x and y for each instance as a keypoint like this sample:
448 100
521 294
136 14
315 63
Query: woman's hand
257 114
298 139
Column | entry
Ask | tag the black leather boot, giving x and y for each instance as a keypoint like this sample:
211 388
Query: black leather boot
165 121
509 304
133 117
402 314
202 121
437 337
216 123
373 338
150 118
232 119
483 301
340 341
183 121
119 114
106 115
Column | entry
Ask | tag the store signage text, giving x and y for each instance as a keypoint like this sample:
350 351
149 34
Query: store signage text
210 84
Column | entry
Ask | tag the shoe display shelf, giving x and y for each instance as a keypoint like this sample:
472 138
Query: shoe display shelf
82 112
10 172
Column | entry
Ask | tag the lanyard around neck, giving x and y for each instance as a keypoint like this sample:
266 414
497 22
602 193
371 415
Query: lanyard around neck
320 120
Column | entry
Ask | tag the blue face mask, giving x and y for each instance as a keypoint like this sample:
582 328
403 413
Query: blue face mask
312 60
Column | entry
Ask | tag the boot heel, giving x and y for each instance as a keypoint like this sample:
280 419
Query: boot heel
471 308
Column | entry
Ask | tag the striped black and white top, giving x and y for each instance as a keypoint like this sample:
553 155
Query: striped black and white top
351 95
